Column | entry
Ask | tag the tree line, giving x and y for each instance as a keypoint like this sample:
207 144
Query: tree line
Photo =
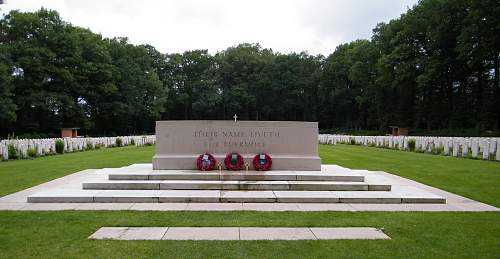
434 68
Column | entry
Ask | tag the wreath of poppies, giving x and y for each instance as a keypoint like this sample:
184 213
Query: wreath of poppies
206 162
233 161
262 162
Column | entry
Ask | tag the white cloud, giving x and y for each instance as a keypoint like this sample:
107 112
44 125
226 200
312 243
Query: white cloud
316 26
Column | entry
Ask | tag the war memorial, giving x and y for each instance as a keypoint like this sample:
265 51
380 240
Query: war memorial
220 162
205 165
361 129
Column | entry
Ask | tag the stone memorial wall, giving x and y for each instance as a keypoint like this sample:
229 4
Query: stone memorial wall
292 145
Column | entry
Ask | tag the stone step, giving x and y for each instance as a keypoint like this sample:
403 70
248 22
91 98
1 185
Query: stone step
215 196
237 176
235 185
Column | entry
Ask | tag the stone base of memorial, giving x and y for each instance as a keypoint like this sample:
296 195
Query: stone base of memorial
292 145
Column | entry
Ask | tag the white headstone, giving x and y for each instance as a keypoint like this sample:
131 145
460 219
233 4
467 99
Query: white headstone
465 148
446 150
5 152
455 147
498 151
493 146
474 147
486 150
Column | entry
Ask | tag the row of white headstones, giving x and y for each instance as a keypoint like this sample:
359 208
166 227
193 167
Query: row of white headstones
475 147
48 145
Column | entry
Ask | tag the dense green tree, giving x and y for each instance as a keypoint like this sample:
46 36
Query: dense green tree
479 48
436 67
65 76
240 72
296 85
39 67
348 92
139 96
7 106
193 92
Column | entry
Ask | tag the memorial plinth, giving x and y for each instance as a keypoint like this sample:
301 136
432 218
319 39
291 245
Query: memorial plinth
292 145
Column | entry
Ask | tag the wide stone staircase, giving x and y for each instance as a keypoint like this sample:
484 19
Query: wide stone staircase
140 184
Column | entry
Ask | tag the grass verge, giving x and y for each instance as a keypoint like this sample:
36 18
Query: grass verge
475 179
414 235
17 175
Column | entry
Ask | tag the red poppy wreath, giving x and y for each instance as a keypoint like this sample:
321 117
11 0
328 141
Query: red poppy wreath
206 162
262 162
233 161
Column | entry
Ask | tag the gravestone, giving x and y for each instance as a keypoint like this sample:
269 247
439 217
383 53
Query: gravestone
5 151
291 145
446 149
498 151
474 147
486 149
465 148
455 147
493 147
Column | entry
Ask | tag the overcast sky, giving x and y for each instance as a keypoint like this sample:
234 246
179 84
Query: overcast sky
316 26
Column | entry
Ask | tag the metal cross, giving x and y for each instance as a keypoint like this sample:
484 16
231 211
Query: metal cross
235 117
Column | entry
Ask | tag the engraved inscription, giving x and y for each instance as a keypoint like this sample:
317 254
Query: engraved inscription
225 140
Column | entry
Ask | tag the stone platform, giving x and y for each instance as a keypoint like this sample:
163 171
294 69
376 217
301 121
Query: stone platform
141 184
138 187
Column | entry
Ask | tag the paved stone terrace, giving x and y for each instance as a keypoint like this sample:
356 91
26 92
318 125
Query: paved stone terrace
236 233
401 186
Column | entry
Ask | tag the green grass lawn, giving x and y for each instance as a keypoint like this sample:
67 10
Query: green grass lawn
64 234
17 175
414 235
475 179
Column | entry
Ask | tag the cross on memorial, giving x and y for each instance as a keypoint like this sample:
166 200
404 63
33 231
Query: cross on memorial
235 117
